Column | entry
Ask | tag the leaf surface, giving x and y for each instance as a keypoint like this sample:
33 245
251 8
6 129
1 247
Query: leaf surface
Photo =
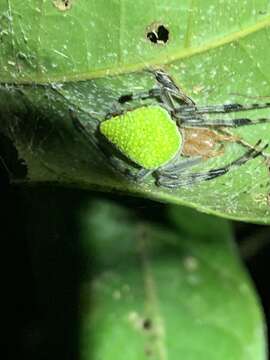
93 52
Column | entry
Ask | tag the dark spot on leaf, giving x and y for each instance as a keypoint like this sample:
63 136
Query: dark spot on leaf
228 107
152 37
158 35
125 98
148 352
163 34
147 324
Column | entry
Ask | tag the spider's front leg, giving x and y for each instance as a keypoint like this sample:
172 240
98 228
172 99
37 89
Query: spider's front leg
166 92
171 94
143 95
220 109
195 120
192 115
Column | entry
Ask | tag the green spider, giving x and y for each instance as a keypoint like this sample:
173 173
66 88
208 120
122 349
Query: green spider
169 138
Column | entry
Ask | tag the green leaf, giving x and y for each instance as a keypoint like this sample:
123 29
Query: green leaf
88 55
173 291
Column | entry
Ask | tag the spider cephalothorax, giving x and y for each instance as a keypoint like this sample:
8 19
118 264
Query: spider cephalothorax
169 138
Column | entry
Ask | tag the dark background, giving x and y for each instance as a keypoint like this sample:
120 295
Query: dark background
47 214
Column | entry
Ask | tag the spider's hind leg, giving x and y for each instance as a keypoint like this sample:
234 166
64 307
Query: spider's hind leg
242 142
120 167
186 178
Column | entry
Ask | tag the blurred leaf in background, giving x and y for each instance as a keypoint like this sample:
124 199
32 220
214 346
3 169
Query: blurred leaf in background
165 291
91 278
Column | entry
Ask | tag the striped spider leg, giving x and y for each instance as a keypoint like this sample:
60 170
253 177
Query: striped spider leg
190 116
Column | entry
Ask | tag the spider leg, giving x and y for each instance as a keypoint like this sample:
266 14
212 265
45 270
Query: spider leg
144 95
170 87
81 128
188 179
117 164
241 141
142 174
115 111
199 121
167 92
178 166
120 167
162 95
219 109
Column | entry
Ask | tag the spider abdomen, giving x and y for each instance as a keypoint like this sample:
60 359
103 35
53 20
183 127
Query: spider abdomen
147 135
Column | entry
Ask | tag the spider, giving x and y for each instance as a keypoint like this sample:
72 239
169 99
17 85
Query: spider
169 138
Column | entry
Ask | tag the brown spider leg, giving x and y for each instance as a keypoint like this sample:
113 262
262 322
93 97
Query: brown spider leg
188 179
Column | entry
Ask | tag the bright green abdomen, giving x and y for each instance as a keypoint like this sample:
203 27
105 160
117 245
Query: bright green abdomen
146 135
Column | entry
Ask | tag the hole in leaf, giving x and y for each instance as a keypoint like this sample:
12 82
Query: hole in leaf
152 36
158 35
63 5
147 324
